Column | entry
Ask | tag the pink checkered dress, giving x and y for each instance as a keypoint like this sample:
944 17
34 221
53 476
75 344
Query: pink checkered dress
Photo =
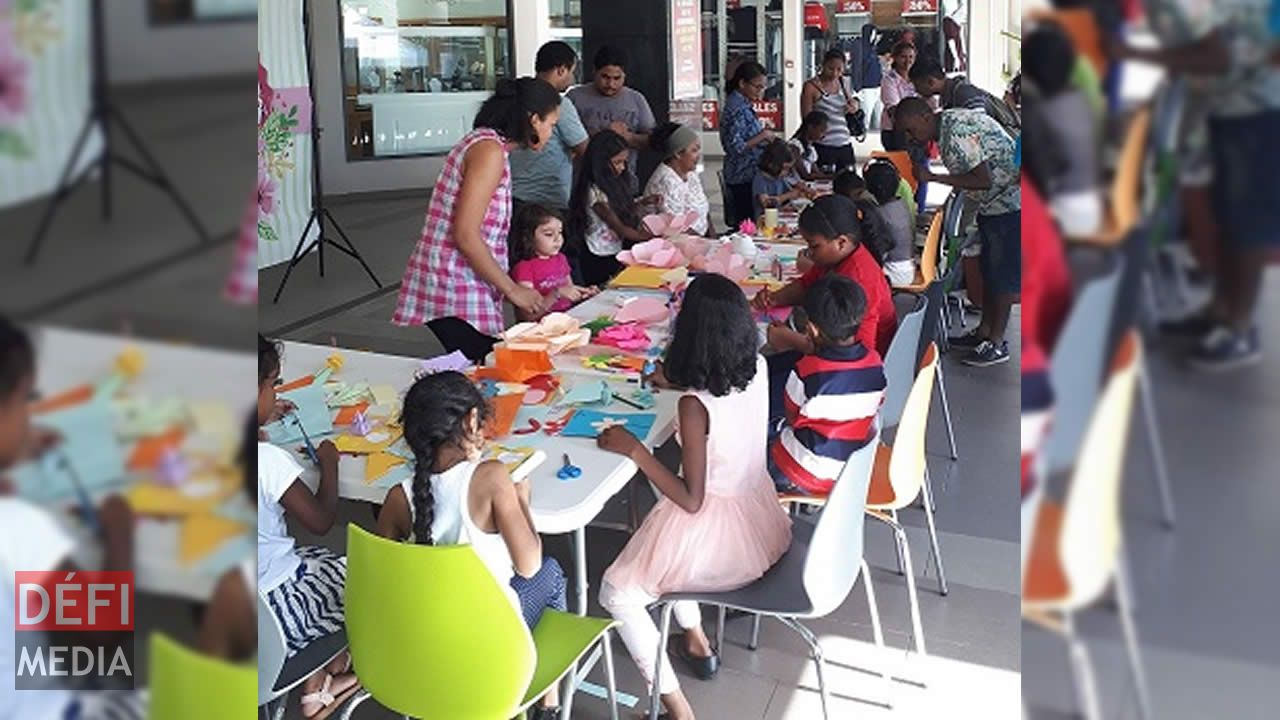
242 284
438 281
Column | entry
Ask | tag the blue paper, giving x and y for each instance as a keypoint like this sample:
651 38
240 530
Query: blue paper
589 423
312 410
588 392
394 476
89 447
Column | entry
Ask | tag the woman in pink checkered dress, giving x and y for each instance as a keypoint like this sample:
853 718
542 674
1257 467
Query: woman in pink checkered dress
458 271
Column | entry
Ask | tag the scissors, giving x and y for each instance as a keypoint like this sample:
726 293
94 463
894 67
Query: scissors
568 471
311 448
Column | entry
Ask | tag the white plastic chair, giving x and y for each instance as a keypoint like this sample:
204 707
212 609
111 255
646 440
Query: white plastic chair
278 676
900 363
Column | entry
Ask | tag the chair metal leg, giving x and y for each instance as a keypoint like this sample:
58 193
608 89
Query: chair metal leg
876 630
1082 670
1157 446
720 629
904 550
933 536
1124 597
754 642
896 547
946 412
818 661
655 699
354 702
612 686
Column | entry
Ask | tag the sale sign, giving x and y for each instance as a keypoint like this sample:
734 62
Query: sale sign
853 6
769 112
919 7
710 114
72 625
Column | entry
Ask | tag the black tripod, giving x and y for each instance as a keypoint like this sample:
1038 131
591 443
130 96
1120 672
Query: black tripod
103 114
319 213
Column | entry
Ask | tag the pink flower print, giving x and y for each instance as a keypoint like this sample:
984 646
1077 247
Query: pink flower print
13 84
266 96
267 188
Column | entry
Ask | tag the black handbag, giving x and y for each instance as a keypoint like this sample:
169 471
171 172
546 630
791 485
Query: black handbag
857 120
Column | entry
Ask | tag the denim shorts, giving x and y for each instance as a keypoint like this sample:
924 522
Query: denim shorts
1245 156
1001 252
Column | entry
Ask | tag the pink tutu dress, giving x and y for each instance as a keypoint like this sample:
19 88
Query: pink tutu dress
739 532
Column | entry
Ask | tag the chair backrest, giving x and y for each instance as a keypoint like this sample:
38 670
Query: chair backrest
1126 187
907 463
931 328
730 212
271 652
900 363
953 230
1091 534
431 632
189 685
1078 365
929 256
835 550
900 160
1081 26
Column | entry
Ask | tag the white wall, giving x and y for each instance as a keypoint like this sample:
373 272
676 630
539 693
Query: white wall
139 52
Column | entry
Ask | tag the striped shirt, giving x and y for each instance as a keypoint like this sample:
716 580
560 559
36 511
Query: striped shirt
831 401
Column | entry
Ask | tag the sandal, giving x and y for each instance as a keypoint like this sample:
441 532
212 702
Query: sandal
334 687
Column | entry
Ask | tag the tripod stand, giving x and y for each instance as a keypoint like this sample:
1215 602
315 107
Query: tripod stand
319 213
103 114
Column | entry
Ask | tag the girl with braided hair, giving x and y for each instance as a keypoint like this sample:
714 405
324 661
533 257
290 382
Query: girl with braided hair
454 498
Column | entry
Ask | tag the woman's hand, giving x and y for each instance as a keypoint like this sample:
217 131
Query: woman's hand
763 300
618 439
528 300
852 105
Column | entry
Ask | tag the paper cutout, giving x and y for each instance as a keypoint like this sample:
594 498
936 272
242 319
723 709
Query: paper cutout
503 410
670 224
599 323
296 384
590 423
67 398
519 461
643 398
148 451
747 227
645 309
150 498
553 334
542 388
513 365
553 425
347 415
139 417
613 362
211 419
656 253
353 445
173 468
507 388
454 361
587 392
378 464
384 395
639 276
202 534
89 453
312 410
340 394
360 425
675 277
724 261
628 336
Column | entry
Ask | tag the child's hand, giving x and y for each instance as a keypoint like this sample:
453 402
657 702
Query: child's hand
40 441
618 439
658 378
803 262
328 453
781 337
763 300
283 407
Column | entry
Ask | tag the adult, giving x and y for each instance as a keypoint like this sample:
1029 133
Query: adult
929 81
457 275
606 103
894 87
978 154
829 93
675 182
1231 48
743 138
545 176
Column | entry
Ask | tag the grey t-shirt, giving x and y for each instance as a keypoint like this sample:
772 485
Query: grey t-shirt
598 111
897 220
546 176
1071 121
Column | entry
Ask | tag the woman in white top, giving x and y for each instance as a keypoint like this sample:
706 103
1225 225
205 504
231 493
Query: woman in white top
894 86
455 499
675 183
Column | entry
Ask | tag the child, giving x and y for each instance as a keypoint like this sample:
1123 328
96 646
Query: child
875 234
771 187
805 151
539 264
882 182
453 498
603 213
32 538
832 396
303 586
720 526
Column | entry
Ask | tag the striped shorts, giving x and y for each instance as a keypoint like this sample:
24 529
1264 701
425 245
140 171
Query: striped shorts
309 605
108 705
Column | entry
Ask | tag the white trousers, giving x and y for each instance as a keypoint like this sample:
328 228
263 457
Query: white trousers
640 634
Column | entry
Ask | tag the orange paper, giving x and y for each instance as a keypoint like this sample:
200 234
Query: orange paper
503 410
149 450
520 365
65 399
347 415
300 382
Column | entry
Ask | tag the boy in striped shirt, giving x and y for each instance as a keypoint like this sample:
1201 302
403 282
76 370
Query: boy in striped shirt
832 396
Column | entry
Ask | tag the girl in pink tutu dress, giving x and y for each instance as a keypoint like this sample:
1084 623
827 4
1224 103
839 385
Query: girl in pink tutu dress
720 526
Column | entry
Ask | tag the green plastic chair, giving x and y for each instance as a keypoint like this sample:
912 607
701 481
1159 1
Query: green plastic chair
432 635
188 685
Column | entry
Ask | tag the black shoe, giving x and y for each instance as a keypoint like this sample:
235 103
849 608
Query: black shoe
544 713
988 354
969 340
702 668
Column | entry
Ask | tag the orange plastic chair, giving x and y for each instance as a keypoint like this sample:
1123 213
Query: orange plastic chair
1124 200
1082 27
900 160
927 272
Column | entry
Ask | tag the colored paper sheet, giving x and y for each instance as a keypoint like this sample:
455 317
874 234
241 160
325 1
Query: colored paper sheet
590 423
519 461
340 394
89 453
203 534
148 498
295 384
639 276
587 392
65 399
148 451
355 445
312 410
453 361
627 336
384 395
520 365
377 465
503 410
394 476
347 415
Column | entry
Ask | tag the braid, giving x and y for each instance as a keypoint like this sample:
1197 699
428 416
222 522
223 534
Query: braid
424 507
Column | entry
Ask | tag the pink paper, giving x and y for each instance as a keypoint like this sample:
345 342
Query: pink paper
654 253
728 263
668 225
642 309
627 336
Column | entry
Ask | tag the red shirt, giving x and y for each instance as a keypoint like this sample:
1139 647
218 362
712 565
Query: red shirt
1046 282
880 322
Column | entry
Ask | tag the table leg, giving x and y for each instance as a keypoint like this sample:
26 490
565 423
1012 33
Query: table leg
580 568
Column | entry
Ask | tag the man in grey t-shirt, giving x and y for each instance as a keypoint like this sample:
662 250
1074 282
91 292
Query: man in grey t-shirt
607 103
545 176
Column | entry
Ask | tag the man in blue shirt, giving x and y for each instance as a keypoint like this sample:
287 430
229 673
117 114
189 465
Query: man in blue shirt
545 176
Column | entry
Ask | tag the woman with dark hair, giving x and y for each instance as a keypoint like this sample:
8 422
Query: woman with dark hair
895 86
457 276
717 525
829 94
742 137
604 217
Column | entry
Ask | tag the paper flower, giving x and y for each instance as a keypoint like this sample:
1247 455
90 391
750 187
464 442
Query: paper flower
172 469
625 336
360 425
335 361
747 226
130 362
658 252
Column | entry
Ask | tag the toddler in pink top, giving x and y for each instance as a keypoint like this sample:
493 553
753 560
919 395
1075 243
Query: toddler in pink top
538 238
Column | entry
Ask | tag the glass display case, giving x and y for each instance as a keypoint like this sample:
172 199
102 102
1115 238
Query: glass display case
414 74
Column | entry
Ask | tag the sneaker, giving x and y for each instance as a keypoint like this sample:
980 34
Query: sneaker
1223 349
988 354
970 339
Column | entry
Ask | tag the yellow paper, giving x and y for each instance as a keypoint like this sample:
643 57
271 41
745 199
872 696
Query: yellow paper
146 498
385 395
356 445
640 276
378 464
202 534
